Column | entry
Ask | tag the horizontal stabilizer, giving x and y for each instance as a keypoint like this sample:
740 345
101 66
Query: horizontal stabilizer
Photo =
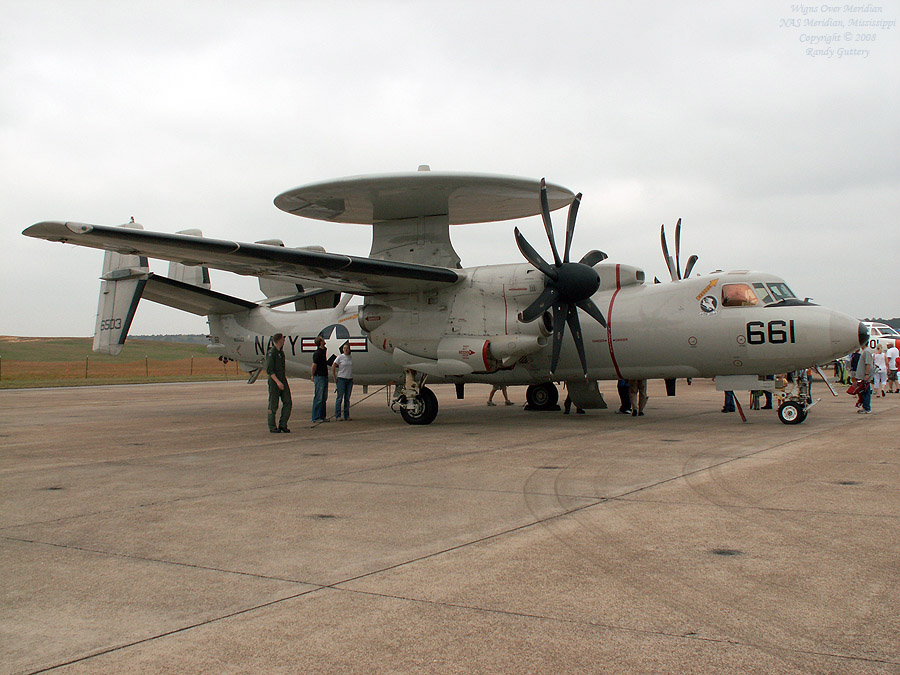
192 299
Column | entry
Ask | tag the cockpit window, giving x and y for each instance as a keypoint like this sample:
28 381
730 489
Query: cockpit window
883 331
738 295
780 291
763 293
776 292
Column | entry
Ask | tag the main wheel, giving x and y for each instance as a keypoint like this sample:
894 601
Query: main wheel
542 396
791 413
424 410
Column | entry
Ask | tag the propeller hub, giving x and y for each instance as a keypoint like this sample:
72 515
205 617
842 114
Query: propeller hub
576 282
568 288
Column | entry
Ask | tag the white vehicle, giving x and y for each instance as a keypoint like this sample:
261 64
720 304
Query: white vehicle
425 317
882 334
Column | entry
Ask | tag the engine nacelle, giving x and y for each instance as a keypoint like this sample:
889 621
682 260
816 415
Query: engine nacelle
616 275
471 352
372 316
508 349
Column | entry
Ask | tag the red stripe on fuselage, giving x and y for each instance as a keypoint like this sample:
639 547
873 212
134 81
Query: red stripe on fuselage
609 340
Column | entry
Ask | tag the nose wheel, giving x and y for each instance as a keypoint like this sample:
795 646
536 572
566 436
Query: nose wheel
796 401
791 412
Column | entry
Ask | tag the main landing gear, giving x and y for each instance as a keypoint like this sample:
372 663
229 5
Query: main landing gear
415 402
544 396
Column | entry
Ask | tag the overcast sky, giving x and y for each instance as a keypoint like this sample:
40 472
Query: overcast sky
198 114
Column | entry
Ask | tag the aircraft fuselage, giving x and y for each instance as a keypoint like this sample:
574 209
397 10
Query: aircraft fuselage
470 332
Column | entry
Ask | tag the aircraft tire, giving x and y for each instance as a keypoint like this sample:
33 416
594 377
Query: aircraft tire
791 413
543 396
425 413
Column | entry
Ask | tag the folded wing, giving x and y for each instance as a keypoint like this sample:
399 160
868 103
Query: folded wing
350 274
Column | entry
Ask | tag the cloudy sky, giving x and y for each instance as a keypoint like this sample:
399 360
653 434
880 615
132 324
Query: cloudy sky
197 114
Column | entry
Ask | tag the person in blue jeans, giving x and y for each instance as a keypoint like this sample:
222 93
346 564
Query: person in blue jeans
729 402
864 371
320 380
342 372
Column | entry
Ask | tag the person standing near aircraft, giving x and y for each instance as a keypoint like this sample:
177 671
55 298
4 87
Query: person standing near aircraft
768 395
637 391
864 369
342 372
892 355
278 386
567 406
319 377
880 377
624 398
729 402
502 389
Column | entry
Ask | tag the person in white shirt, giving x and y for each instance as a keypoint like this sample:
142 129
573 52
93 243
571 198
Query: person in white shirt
342 371
880 378
892 355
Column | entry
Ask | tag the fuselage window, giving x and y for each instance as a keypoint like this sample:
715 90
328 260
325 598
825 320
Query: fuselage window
738 295
763 293
780 291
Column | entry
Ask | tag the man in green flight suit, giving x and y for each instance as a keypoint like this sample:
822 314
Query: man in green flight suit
278 386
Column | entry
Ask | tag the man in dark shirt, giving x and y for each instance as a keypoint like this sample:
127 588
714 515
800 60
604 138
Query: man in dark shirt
320 380
278 385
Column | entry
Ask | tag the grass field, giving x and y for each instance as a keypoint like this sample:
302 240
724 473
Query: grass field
54 362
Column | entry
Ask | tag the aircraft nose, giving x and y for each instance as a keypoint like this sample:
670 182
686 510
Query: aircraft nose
847 333
863 334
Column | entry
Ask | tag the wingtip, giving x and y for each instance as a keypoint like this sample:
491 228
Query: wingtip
55 230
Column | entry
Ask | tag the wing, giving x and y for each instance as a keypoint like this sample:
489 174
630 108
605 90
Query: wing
362 276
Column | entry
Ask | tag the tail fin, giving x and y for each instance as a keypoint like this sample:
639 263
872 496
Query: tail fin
121 286
195 275
282 291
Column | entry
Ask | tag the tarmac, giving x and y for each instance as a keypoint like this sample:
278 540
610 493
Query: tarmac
162 529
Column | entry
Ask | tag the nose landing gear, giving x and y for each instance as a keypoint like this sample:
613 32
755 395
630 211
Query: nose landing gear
796 399
792 412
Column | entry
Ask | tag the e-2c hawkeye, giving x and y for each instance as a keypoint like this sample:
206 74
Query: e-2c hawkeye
423 317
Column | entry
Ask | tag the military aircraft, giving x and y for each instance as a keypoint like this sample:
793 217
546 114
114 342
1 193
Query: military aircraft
425 317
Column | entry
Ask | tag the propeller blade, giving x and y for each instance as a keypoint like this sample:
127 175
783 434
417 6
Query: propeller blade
590 308
591 258
548 226
560 309
689 267
570 225
669 262
534 257
547 297
575 327
678 247
662 240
